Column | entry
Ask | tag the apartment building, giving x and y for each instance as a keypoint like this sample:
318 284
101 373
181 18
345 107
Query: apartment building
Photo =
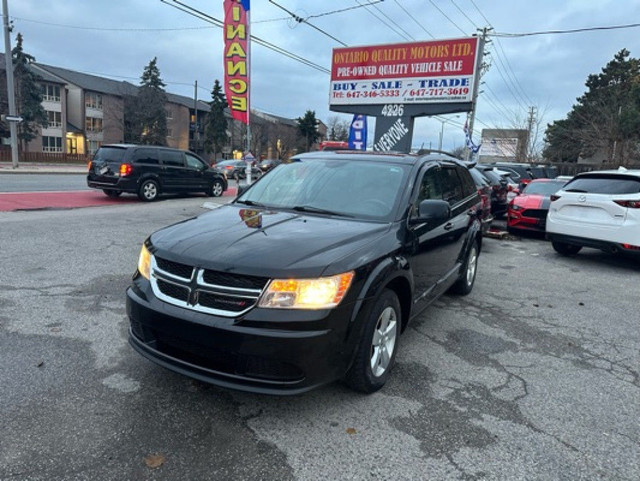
86 110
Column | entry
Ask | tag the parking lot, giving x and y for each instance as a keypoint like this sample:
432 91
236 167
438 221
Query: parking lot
534 375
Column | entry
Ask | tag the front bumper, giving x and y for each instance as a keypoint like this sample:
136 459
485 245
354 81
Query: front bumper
266 351
520 220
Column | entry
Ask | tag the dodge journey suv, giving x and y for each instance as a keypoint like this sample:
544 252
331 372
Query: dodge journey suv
310 275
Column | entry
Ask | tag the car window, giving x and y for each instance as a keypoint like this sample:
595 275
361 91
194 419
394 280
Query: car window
172 157
145 156
451 185
429 187
468 186
478 178
604 184
194 162
542 188
110 154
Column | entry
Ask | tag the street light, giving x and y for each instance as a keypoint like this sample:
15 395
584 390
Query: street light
442 130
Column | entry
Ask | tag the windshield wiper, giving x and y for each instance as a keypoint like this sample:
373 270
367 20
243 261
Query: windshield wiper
317 210
251 203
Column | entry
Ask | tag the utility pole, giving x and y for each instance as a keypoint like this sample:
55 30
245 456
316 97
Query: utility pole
530 122
476 86
13 126
195 118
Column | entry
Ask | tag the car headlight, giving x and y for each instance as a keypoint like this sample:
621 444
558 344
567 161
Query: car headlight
320 293
144 262
516 207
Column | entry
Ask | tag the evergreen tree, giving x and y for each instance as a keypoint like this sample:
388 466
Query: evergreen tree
215 130
28 95
605 119
308 128
149 119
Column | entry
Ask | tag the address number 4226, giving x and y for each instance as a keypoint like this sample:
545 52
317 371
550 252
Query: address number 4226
393 110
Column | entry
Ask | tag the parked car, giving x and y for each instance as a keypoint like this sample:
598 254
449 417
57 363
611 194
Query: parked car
310 275
520 170
237 169
597 209
150 171
268 164
528 210
499 189
484 190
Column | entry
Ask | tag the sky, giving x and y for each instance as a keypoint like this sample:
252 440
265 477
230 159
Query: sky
118 38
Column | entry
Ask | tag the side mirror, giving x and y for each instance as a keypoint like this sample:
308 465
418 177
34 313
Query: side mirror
432 211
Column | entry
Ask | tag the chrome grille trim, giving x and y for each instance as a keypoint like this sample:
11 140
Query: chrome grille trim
196 285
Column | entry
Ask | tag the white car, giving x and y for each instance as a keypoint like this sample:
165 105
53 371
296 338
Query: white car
597 209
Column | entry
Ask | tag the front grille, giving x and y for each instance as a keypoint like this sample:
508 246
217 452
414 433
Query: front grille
223 303
234 280
203 290
175 268
174 291
535 213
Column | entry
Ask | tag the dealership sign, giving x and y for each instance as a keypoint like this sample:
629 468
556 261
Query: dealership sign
236 58
441 71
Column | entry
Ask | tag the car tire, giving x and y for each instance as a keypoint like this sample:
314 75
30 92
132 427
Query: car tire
378 345
112 193
565 249
216 189
149 190
464 284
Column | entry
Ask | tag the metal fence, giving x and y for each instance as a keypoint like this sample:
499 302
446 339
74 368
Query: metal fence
45 157
570 168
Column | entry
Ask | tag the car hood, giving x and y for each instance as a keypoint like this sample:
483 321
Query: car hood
267 243
532 201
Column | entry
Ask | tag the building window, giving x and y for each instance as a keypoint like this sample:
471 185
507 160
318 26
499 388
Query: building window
54 119
51 93
51 144
93 100
93 124
169 132
169 115
94 145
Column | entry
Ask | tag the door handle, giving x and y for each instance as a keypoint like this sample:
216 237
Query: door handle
448 226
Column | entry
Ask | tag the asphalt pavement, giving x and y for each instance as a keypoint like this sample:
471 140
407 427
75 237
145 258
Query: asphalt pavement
533 376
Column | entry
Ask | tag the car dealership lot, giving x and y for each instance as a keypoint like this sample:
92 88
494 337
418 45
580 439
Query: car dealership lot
534 375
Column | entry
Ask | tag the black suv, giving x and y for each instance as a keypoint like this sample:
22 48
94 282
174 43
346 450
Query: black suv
310 275
148 171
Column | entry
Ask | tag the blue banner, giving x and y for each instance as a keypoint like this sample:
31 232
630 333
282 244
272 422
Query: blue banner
358 133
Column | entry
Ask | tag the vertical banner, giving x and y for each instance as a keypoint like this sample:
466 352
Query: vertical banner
236 58
358 133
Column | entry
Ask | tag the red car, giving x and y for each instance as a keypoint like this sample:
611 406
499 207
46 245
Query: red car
528 210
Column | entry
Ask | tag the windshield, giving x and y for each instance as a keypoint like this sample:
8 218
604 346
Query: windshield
350 188
110 154
543 188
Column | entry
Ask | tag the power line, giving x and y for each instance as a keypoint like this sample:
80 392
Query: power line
559 32
445 16
465 15
390 19
318 15
412 17
107 29
303 20
219 23
381 20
